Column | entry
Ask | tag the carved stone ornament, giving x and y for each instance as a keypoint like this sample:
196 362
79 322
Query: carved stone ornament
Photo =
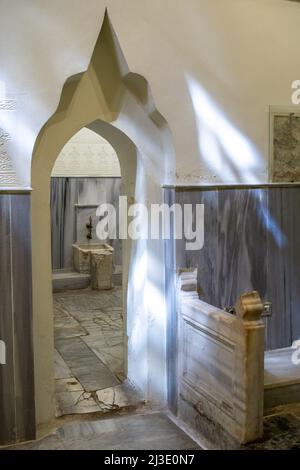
249 306
8 175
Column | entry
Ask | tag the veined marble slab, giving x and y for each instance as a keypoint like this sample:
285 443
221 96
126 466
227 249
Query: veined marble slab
153 431
251 242
17 406
91 359
92 373
75 402
61 370
116 398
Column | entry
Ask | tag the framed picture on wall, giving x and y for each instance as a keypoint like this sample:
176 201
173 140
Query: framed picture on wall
284 155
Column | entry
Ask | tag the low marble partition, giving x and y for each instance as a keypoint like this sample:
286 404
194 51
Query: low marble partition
66 193
17 409
221 366
251 243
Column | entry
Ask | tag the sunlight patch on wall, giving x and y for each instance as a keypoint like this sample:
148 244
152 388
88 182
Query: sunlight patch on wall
229 155
227 152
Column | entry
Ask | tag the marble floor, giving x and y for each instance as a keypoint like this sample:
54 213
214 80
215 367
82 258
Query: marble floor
89 352
281 429
148 431
90 383
155 431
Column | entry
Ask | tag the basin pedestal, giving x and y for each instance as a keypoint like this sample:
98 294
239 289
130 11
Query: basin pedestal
101 270
82 255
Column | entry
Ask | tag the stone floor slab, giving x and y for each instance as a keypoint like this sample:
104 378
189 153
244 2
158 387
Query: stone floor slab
89 339
86 367
153 431
75 402
61 370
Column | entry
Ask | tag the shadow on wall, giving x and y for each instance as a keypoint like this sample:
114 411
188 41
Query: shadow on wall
229 155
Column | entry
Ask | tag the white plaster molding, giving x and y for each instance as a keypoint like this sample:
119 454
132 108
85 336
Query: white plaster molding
8 104
87 154
8 176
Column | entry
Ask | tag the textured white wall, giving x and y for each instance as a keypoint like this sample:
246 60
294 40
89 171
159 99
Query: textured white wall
214 67
87 154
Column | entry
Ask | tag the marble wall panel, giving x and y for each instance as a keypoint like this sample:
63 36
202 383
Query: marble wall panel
17 407
278 333
86 214
251 242
7 382
206 260
64 195
242 230
291 224
23 324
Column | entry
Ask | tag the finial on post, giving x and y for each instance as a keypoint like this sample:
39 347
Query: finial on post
187 282
249 306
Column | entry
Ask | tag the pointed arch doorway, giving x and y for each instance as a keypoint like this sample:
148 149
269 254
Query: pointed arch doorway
117 104
89 324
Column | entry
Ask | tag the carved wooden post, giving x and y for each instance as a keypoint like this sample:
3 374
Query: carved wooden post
249 309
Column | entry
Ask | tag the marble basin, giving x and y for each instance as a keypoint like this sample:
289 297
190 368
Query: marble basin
82 255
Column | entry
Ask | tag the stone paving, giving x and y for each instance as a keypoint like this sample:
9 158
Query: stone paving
149 431
281 429
89 352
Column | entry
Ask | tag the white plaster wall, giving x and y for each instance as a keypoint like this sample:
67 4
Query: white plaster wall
214 68
87 154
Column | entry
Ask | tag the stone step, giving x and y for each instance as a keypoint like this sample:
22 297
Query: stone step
62 280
